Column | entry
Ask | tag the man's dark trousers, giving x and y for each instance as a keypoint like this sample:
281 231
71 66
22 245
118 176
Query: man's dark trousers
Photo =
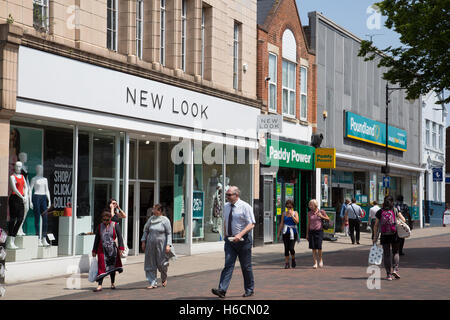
354 225
243 250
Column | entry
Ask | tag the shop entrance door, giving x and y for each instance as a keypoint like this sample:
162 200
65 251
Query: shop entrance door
268 209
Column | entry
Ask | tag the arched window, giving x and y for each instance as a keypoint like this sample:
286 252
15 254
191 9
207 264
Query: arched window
289 48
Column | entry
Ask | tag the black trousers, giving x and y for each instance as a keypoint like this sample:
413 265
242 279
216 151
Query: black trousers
289 244
354 226
16 214
113 278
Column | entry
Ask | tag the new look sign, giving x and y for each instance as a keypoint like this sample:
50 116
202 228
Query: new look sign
371 131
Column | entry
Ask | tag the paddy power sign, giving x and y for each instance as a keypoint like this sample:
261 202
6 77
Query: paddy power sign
289 155
371 131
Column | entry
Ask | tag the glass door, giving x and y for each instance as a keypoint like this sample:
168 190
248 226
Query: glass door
146 202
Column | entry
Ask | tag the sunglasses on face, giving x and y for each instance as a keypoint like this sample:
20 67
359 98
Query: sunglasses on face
229 194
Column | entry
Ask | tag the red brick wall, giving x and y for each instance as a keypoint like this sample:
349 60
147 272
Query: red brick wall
285 17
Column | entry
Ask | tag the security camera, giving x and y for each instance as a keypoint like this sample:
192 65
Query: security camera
267 79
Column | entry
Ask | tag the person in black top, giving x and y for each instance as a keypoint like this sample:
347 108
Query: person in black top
389 238
404 209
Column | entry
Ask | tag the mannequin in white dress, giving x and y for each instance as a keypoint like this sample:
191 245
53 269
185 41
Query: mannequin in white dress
40 201
17 201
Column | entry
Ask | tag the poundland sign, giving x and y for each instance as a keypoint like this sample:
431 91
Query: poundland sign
290 155
371 131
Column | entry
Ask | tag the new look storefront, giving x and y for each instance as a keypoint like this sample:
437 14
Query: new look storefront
101 134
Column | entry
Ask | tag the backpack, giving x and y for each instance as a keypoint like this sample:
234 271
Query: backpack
387 222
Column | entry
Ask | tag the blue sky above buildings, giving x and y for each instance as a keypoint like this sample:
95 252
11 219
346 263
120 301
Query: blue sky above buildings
357 17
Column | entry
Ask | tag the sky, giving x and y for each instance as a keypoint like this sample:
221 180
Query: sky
357 17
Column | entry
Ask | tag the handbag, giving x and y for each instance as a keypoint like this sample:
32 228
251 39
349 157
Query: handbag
403 230
325 222
375 255
93 270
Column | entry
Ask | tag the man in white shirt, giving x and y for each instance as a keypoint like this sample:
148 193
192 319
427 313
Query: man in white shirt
372 212
239 220
353 214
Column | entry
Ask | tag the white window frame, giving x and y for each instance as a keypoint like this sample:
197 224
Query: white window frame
162 29
111 30
183 34
43 8
427 133
304 94
289 90
236 30
434 135
139 27
273 83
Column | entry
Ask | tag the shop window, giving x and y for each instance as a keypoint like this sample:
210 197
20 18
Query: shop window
209 192
46 153
147 156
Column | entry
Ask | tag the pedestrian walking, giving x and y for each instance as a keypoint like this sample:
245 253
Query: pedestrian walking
239 220
314 231
156 242
288 226
116 212
372 219
353 214
404 210
106 249
389 239
342 215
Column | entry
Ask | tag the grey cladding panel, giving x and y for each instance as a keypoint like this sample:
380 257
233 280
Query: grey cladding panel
347 66
330 66
322 34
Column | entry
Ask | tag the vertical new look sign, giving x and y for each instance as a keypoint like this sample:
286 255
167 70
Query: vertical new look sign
290 155
371 131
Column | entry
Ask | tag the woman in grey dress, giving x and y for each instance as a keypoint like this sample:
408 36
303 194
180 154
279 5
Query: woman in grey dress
157 244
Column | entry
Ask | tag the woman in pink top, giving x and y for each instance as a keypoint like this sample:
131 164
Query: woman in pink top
314 232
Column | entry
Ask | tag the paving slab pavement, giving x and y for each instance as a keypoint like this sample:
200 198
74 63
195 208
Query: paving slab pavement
342 259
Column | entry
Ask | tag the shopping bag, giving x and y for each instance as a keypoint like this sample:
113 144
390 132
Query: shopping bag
93 270
375 255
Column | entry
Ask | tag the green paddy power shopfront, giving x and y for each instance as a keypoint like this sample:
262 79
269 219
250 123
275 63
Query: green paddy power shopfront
287 174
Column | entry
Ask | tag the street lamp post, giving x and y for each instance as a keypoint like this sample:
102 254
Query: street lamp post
385 169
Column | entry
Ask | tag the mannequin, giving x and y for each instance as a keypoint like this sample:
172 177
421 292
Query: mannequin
39 202
17 201
217 207
212 187
23 158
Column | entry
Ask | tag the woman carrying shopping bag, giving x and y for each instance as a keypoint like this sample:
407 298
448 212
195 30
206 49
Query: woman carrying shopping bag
386 221
107 250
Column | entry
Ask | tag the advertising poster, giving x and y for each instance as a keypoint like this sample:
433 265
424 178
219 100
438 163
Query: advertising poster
373 190
278 197
332 216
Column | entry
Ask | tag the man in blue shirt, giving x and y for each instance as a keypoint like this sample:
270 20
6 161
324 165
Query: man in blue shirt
238 221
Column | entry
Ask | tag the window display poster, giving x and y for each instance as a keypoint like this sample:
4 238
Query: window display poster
373 190
178 202
278 199
60 184
28 141
198 204
380 192
325 190
289 192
